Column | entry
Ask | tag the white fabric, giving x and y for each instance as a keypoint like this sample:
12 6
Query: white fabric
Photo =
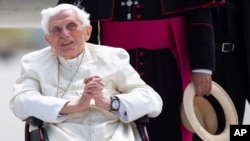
36 89
203 71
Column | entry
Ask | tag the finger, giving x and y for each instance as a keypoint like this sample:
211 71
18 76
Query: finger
98 80
198 91
90 78
87 79
95 85
93 89
209 88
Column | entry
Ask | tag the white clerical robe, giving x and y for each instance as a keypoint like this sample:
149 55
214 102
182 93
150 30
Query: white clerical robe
48 81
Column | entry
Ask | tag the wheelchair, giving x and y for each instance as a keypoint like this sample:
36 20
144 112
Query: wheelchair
39 134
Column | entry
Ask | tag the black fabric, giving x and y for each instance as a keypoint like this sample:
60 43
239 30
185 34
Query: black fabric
232 67
155 12
104 9
95 33
98 9
173 6
246 25
201 46
158 68
228 21
232 25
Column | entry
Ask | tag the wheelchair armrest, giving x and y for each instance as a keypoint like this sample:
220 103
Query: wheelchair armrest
34 121
36 134
144 120
141 126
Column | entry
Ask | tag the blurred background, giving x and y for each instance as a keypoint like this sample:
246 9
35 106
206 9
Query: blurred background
20 33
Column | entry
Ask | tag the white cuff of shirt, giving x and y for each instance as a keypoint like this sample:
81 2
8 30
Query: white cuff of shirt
62 117
122 112
203 71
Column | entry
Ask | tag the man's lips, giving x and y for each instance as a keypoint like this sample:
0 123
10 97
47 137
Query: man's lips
67 43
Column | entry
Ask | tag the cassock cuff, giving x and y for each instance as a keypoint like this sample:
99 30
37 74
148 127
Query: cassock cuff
203 71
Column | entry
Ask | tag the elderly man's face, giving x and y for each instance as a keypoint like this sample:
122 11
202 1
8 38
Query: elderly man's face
67 35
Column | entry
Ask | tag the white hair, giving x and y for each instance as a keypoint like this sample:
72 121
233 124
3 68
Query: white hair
52 11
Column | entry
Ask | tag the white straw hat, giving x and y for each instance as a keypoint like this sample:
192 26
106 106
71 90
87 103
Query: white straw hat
199 116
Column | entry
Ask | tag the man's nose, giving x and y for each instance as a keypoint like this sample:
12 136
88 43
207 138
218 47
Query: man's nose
64 32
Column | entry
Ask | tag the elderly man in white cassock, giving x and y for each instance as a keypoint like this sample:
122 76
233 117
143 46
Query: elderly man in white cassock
82 91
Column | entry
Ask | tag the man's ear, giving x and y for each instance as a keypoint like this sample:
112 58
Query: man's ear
88 33
47 39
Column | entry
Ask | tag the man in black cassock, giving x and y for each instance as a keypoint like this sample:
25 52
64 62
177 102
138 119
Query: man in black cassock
232 36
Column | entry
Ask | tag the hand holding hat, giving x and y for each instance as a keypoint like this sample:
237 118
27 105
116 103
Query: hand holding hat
198 115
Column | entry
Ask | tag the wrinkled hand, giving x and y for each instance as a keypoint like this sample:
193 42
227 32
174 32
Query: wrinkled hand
202 83
93 85
94 91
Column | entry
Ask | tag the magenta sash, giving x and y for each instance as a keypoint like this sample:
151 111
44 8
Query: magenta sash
152 34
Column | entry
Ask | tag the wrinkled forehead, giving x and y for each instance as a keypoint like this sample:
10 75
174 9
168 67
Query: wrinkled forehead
64 13
63 16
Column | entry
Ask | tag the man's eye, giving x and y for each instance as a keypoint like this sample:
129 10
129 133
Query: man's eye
72 26
56 30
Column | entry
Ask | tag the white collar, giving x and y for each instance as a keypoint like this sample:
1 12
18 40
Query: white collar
73 62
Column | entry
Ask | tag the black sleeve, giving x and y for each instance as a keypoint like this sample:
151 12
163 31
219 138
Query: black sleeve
200 36
65 1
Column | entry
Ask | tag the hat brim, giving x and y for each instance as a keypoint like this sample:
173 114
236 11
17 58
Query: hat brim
226 103
205 113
